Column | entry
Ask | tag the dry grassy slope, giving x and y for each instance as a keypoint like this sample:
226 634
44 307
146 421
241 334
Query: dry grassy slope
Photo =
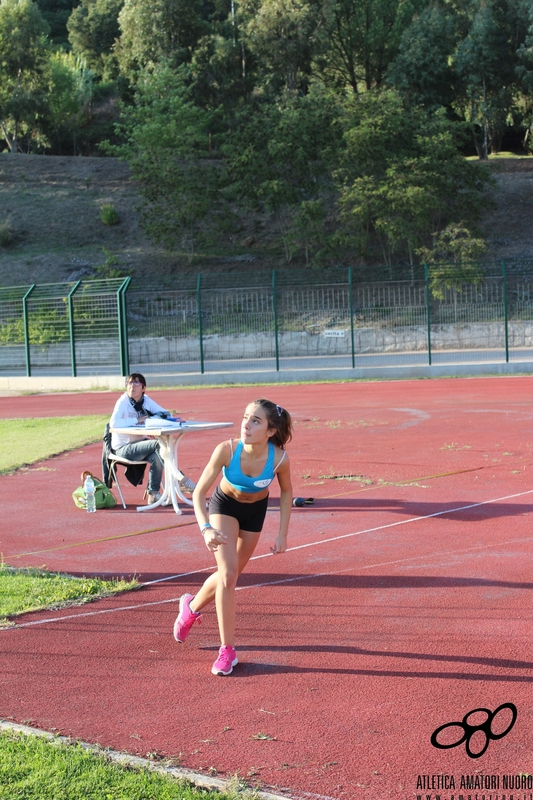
508 228
53 203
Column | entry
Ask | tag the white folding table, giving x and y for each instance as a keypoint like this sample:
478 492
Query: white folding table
169 435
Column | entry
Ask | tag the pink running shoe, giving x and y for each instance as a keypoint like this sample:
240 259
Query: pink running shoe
185 619
227 658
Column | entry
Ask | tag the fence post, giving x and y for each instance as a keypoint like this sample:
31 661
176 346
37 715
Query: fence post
428 311
200 326
71 328
123 328
27 329
350 285
275 308
505 312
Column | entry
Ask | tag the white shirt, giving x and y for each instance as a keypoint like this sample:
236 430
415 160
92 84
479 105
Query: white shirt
125 416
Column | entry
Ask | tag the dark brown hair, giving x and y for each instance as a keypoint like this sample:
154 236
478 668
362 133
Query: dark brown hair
277 418
136 376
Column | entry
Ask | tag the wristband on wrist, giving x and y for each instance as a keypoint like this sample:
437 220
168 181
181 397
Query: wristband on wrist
205 527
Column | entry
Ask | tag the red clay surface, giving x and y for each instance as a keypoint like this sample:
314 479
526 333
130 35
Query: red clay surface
403 603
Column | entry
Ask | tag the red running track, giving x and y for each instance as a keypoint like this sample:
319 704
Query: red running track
403 603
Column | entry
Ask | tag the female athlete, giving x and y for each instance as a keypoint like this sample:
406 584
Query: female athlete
237 511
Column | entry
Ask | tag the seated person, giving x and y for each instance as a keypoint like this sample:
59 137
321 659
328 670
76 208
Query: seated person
133 407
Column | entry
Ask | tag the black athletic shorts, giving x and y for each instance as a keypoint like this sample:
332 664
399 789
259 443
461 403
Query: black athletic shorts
250 516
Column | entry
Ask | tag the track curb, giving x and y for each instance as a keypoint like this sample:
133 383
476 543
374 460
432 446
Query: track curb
127 760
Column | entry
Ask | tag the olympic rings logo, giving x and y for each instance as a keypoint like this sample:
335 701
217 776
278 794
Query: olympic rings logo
469 731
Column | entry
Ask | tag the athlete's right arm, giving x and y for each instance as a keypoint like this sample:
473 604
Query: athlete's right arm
219 459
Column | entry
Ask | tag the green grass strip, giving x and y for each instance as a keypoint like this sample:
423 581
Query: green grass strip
35 768
29 589
25 441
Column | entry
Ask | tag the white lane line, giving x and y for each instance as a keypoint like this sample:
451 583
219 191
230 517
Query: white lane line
289 549
359 568
406 521
360 533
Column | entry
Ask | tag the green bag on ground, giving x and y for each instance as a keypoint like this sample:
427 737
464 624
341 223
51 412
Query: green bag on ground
104 497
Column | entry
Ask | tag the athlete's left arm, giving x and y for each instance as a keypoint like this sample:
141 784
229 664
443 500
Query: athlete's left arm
283 475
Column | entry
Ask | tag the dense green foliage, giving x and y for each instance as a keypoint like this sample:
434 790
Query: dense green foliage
345 120
93 28
411 182
23 61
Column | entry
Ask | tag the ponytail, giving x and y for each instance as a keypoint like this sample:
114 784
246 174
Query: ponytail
279 419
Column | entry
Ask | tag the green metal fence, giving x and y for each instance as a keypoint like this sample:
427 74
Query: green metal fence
76 328
338 317
274 319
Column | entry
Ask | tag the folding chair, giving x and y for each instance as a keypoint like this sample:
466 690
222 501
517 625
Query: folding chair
109 466
113 460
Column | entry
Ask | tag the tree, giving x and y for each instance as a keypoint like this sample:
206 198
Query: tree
163 30
221 73
524 70
279 157
486 61
56 14
454 259
307 227
363 38
166 143
284 36
23 61
422 71
69 93
401 175
93 29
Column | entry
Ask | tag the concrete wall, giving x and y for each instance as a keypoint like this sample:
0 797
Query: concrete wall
301 343
98 351
104 353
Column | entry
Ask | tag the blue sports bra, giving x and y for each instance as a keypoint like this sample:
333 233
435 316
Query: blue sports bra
244 483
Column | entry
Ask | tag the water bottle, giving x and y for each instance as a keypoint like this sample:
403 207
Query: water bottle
89 494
